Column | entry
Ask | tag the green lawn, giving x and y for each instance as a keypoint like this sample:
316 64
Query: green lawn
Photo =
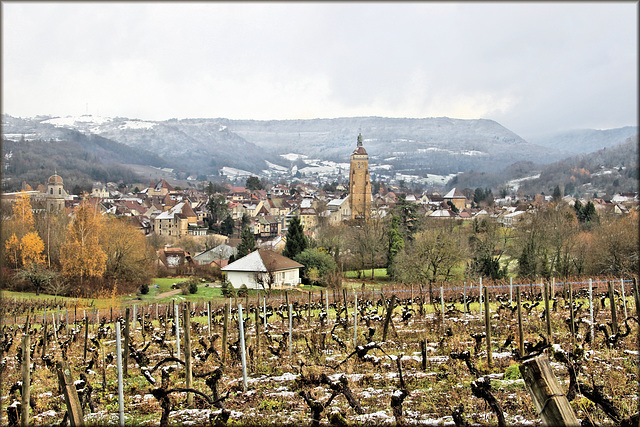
379 274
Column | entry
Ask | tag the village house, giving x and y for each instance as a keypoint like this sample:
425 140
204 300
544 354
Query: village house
175 221
456 198
262 269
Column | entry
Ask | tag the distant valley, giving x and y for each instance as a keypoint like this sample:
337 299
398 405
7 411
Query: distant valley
427 151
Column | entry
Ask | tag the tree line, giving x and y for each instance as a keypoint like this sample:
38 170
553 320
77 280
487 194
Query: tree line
84 255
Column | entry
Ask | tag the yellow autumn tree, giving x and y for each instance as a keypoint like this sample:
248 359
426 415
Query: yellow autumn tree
128 252
12 251
22 213
31 249
81 255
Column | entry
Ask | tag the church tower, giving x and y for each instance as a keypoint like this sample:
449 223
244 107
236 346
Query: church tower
55 193
359 184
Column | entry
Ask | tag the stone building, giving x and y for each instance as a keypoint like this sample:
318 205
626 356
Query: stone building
359 183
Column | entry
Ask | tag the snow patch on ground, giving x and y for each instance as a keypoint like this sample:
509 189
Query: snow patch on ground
136 124
293 156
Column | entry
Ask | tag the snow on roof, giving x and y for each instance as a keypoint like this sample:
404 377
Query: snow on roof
454 194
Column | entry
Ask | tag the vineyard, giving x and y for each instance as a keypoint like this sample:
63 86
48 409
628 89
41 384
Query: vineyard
464 355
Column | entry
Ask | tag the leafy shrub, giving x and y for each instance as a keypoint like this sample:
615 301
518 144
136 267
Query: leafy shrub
193 287
243 291
512 372
227 289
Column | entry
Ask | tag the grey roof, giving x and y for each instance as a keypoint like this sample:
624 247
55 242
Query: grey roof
222 251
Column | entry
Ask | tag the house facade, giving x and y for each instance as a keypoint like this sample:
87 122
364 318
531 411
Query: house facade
262 269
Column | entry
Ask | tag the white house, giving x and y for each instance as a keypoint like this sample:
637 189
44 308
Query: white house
261 268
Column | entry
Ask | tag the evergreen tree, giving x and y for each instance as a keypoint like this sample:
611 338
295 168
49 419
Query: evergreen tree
396 243
227 226
248 243
296 240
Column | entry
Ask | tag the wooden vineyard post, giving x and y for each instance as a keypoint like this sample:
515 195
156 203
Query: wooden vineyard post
44 340
209 319
442 304
593 337
133 320
546 310
187 351
74 409
243 354
387 320
176 322
480 296
624 299
346 312
26 378
86 339
547 395
487 327
119 366
510 291
309 311
225 331
326 304
612 303
290 329
572 324
520 331
464 297
264 311
355 321
257 352
126 343
636 296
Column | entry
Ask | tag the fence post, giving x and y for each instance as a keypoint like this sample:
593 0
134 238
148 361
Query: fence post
120 374
309 311
74 408
355 321
612 303
464 297
86 338
510 291
187 351
572 314
225 331
624 300
520 331
176 321
242 349
257 352
547 395
636 295
26 378
480 296
442 304
126 342
290 329
546 309
487 327
593 337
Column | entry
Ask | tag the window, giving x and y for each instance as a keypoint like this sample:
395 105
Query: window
51 191
59 190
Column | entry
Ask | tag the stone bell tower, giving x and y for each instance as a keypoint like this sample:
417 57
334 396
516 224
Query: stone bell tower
359 184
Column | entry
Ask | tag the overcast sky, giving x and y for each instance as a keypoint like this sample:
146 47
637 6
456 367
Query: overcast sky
533 67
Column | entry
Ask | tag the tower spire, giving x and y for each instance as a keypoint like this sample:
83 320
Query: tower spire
359 140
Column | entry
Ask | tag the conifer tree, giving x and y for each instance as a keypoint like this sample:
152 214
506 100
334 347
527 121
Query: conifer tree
296 240
248 243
